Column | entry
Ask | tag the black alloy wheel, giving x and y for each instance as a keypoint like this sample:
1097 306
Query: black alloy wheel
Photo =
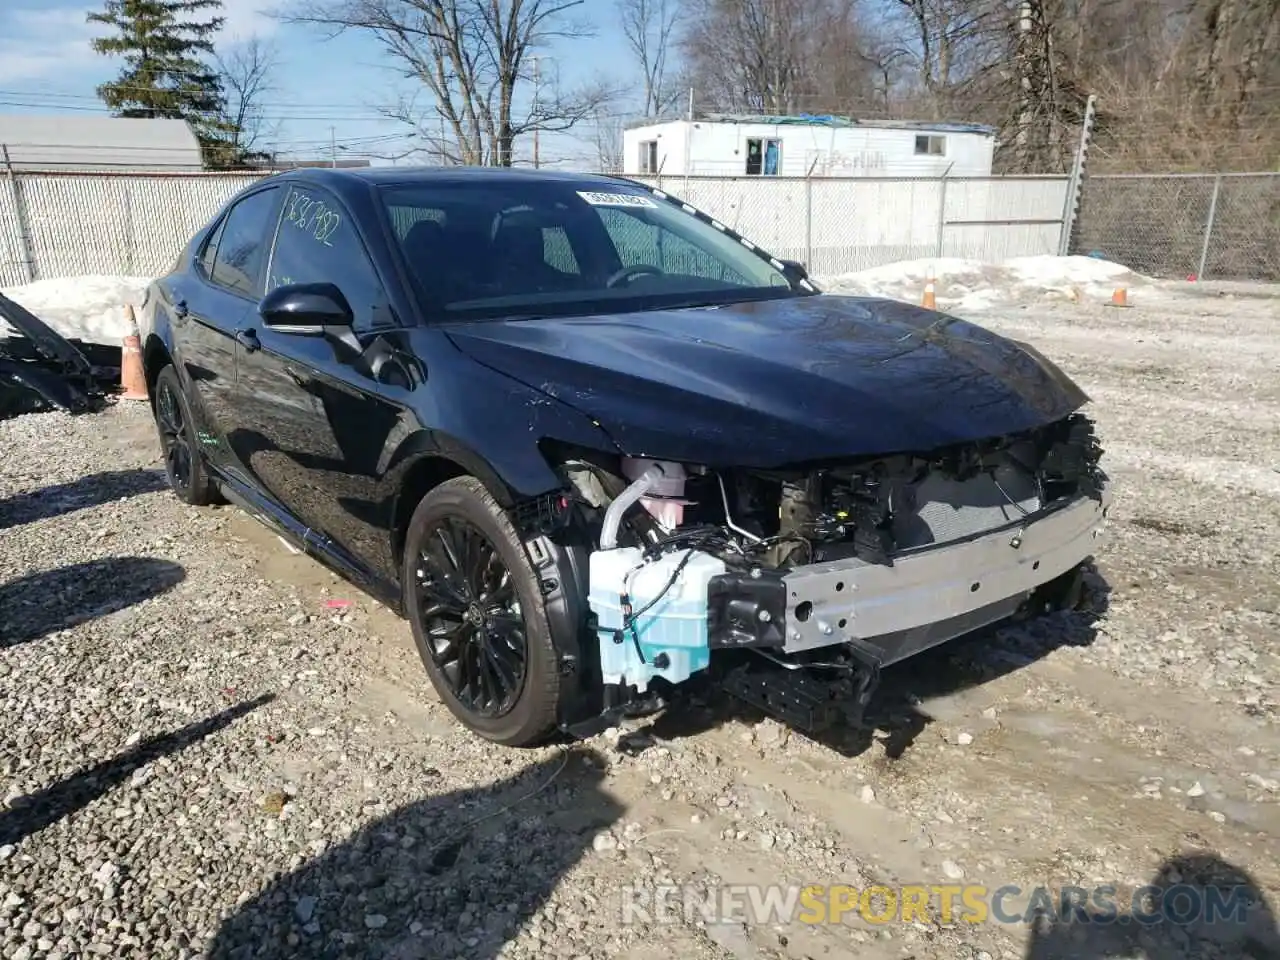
183 462
173 435
467 600
475 603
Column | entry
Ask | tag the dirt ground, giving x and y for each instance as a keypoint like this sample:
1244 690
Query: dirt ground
152 808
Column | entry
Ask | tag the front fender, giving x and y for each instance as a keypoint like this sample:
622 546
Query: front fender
492 425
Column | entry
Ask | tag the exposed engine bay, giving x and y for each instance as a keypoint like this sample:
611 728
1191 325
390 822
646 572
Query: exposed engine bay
806 581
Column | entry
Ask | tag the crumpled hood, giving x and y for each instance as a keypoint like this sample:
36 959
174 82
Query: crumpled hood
777 382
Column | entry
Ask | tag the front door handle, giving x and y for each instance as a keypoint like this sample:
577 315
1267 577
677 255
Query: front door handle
248 339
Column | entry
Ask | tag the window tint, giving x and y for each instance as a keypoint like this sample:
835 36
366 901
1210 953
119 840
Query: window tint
557 251
211 248
317 243
404 219
243 245
639 242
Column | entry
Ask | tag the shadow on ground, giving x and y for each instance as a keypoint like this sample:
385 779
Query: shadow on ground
450 875
90 491
42 603
32 813
896 714
1197 905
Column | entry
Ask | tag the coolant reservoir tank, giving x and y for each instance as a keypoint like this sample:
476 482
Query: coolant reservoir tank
665 500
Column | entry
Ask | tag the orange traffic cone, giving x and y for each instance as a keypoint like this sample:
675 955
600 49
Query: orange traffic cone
929 301
132 378
1120 298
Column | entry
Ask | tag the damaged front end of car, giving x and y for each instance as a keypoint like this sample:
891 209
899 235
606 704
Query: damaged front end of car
791 588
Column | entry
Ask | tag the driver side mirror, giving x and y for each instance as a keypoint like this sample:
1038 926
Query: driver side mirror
796 267
308 309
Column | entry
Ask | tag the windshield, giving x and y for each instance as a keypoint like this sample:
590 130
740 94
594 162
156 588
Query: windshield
505 248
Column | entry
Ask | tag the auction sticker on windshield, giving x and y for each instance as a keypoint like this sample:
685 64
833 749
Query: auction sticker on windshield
616 199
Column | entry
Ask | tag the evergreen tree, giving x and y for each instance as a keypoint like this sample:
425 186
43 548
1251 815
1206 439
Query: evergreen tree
165 75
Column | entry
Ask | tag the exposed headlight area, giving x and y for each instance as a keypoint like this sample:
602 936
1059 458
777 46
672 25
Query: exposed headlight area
845 566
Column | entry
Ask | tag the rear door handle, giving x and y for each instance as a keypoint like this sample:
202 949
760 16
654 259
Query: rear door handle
248 339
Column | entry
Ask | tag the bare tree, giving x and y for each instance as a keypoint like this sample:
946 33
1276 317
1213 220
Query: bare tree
246 74
778 56
1181 84
470 56
648 26
607 139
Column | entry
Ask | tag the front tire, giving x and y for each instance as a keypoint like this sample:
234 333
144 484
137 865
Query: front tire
183 462
475 605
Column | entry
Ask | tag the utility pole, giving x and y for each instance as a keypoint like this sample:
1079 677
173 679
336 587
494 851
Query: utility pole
536 90
1074 185
1024 80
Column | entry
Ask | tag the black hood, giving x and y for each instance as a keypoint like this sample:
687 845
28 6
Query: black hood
779 382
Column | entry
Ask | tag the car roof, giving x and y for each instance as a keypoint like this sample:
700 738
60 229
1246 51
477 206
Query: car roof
406 176
355 184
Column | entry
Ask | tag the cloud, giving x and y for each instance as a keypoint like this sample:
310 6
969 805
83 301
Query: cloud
44 43
247 18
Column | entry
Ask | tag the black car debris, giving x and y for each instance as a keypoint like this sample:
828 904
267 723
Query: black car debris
599 449
41 370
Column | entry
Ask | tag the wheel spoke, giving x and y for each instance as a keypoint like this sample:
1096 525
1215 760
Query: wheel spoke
475 676
488 689
170 412
449 546
439 593
479 555
499 590
507 674
471 618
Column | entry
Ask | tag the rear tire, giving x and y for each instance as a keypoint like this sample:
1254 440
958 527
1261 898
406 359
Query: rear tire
184 464
475 605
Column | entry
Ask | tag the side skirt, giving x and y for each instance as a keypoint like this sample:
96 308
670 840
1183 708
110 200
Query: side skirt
280 521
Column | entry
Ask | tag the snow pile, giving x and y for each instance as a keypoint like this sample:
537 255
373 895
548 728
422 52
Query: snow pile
90 309
975 285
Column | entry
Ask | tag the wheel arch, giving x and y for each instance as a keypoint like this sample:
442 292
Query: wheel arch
423 472
155 357
562 569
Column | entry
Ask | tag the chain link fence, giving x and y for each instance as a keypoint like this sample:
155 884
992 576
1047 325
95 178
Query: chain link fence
66 225
1228 226
1211 226
843 224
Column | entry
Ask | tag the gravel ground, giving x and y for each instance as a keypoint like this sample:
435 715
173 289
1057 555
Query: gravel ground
212 746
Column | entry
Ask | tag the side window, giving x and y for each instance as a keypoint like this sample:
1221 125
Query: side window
649 156
316 242
210 248
763 157
242 247
640 242
931 146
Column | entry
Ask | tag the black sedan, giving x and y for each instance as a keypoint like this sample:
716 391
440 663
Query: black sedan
597 448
